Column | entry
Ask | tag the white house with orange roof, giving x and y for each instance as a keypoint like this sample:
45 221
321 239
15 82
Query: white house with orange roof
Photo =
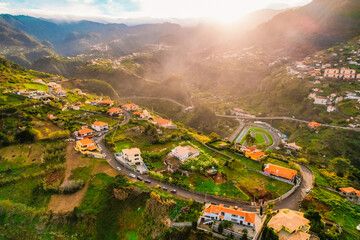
330 109
285 173
130 107
332 73
320 100
115 111
338 99
348 73
351 194
233 214
84 132
85 144
99 126
106 103
293 146
164 123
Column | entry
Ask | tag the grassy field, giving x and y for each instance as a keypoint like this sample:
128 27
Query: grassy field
226 189
255 183
9 99
319 179
259 139
23 154
36 86
125 144
335 208
108 120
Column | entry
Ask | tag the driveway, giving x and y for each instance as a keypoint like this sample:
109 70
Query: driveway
292 202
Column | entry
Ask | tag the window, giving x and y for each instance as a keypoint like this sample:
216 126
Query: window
233 215
222 214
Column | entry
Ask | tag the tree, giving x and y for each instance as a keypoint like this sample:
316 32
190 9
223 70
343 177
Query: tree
269 234
244 237
214 137
269 207
341 166
315 220
25 136
220 228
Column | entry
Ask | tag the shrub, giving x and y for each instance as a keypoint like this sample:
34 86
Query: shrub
72 186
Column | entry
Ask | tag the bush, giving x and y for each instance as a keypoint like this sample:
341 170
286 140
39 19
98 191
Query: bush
199 163
72 186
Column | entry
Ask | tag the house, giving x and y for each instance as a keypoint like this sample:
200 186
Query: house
315 89
106 103
293 146
339 99
145 115
39 80
351 194
75 107
84 132
312 95
99 126
132 156
52 117
237 111
163 122
317 82
332 73
320 100
85 144
183 153
130 107
115 111
333 95
330 109
286 173
255 155
289 224
60 93
233 214
348 73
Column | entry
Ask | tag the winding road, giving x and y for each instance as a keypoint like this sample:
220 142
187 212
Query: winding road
287 118
290 202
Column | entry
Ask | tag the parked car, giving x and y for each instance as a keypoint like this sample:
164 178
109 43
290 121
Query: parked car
164 188
132 175
158 186
118 168
139 178
308 190
147 181
173 191
105 155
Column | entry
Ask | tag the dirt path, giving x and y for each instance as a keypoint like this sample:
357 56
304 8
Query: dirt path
61 203
73 160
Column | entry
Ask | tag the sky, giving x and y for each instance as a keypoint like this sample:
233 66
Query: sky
113 10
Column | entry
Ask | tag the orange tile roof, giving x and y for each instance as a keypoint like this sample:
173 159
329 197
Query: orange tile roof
86 141
99 124
291 220
249 217
280 171
136 113
115 110
314 124
349 190
85 131
93 147
162 121
106 102
256 154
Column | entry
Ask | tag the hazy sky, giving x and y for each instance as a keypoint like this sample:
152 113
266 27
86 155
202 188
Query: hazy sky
222 10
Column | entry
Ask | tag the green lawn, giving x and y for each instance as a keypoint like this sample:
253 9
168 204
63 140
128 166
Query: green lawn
259 139
254 182
6 98
319 179
81 173
226 189
125 144
36 86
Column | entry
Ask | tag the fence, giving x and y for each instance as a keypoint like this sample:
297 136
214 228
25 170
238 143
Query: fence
181 224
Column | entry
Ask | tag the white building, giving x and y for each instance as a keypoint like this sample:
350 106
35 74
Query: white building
319 100
132 156
330 108
99 126
183 153
233 214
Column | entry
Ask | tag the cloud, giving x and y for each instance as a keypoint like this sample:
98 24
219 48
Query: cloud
168 9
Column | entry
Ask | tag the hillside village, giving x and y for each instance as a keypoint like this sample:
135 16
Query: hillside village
195 160
335 76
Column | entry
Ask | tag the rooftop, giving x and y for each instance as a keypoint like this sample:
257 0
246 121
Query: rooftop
249 217
289 219
99 124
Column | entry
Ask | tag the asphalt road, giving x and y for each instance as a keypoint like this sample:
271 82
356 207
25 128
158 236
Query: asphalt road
287 118
292 202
